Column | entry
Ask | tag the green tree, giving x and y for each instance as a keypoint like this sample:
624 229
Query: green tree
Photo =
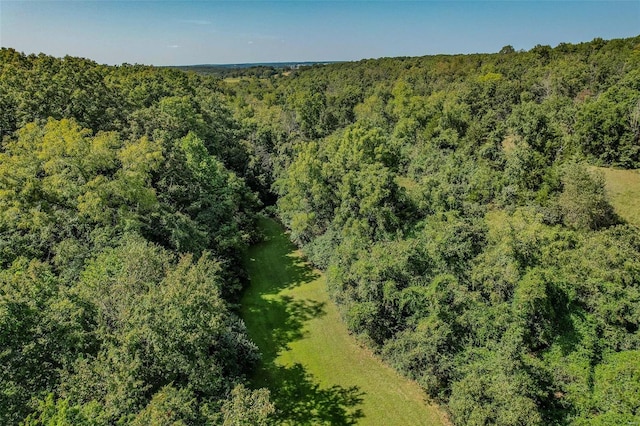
583 201
159 323
61 413
245 407
604 128
59 182
43 328
306 200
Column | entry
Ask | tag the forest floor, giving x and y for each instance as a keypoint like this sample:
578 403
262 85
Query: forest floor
316 371
623 192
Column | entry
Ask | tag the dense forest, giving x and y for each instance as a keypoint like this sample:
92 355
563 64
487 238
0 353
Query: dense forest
451 200
120 238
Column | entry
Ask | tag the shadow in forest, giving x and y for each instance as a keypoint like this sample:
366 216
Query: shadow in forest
274 321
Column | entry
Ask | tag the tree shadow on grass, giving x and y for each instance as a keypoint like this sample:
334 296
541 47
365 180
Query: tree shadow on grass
275 320
280 320
277 257
301 401
298 397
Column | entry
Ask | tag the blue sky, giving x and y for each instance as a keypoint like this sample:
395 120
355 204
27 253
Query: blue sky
197 32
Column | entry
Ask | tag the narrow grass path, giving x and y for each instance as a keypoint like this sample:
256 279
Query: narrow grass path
316 372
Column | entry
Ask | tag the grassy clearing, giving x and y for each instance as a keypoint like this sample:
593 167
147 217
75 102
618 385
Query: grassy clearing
315 370
623 191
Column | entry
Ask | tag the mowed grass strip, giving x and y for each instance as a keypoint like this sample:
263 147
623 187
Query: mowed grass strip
623 191
315 370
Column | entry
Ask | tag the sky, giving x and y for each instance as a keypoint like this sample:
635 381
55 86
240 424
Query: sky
224 32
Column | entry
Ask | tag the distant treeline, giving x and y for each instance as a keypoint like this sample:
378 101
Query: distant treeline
250 70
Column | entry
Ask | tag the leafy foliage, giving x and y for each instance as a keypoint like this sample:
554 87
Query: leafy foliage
464 238
121 230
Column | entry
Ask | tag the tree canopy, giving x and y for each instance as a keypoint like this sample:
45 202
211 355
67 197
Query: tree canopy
451 200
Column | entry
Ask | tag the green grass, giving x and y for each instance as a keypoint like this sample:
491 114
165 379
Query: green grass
623 191
315 370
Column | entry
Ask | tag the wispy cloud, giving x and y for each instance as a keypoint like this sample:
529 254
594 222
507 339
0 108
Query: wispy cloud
173 46
195 22
259 36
